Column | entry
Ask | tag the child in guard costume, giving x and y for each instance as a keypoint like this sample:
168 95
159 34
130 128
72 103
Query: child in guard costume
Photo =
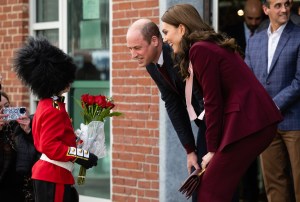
49 72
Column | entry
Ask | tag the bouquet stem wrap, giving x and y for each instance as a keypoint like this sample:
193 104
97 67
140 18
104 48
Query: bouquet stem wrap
92 138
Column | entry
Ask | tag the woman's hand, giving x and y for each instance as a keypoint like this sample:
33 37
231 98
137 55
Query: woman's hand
206 159
2 121
24 122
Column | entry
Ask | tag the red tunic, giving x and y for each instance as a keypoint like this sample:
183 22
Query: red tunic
53 134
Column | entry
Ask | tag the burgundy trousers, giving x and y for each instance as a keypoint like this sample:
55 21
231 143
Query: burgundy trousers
227 167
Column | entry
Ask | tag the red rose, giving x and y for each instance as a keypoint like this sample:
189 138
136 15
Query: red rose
91 100
100 101
110 105
85 98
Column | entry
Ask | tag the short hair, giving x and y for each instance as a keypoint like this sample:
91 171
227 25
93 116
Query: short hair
265 2
43 67
150 29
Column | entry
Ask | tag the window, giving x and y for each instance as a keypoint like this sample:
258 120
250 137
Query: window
88 40
46 11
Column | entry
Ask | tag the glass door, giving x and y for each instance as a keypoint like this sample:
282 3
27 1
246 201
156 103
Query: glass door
88 44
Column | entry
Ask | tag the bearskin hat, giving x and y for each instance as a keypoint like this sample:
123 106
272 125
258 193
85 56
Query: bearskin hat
43 67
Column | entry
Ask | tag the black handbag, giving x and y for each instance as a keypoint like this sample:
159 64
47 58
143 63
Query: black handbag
191 183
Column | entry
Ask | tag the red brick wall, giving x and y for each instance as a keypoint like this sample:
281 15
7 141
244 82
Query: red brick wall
13 30
135 149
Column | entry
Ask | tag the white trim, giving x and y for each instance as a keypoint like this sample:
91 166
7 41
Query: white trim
83 198
32 16
63 25
63 34
215 14
110 93
45 25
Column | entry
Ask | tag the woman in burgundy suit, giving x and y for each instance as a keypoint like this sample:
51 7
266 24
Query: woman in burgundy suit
240 116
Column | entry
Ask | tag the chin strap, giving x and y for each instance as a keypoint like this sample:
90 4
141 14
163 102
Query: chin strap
57 99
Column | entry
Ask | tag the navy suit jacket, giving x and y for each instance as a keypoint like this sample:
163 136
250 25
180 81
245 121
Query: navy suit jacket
172 91
283 80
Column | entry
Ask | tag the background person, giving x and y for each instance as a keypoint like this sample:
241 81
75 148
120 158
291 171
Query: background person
11 182
233 98
26 157
253 16
294 17
274 57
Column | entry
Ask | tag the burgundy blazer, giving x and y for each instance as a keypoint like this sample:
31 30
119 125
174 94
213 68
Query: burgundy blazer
236 104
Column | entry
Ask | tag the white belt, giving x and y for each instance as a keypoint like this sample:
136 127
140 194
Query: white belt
66 165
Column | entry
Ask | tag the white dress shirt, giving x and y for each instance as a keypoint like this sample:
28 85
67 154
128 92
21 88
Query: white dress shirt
273 42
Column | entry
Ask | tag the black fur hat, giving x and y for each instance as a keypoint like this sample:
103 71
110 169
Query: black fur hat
44 68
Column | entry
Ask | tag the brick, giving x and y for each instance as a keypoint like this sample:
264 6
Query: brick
125 6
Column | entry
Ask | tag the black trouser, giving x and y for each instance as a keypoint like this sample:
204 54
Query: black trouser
201 148
45 192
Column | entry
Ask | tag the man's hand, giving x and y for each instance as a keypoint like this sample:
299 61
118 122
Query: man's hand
192 160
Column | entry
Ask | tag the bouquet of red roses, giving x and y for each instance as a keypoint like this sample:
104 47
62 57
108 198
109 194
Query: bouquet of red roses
90 136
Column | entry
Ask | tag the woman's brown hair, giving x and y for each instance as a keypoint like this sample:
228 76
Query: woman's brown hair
196 30
4 95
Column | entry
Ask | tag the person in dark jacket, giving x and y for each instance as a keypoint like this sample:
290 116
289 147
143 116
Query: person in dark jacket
11 183
27 155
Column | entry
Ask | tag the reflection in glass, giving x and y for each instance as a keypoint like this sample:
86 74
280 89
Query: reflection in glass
50 34
91 65
88 40
46 11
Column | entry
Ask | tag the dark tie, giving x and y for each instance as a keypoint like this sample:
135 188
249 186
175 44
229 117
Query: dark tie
166 76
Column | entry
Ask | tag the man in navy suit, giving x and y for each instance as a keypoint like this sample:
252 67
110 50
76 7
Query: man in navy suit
274 56
145 43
